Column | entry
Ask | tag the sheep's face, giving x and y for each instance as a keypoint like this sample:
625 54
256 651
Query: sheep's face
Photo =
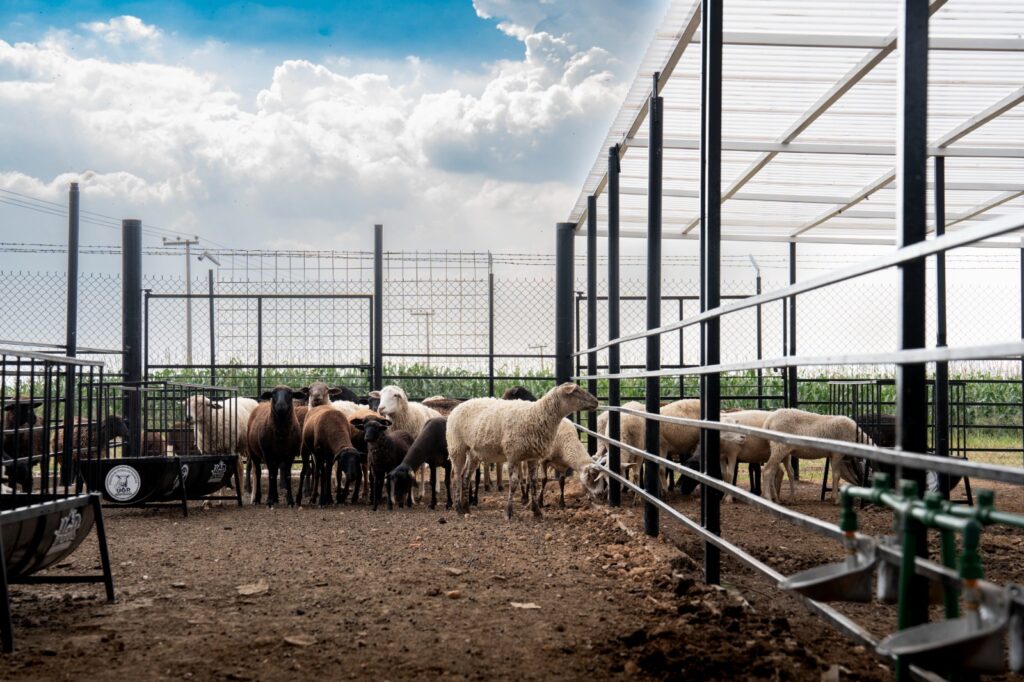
20 413
687 485
578 398
373 429
320 394
115 427
392 400
401 482
282 401
594 481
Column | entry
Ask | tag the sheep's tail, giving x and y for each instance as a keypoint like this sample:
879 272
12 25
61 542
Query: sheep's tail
851 469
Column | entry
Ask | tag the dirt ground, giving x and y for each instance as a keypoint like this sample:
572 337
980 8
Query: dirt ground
348 593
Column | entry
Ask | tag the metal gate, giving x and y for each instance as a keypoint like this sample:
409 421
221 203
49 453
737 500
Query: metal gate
254 341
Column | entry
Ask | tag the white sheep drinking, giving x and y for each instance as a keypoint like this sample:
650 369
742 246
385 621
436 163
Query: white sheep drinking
801 423
512 431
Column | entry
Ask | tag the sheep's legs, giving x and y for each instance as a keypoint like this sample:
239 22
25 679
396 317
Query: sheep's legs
324 479
543 482
448 483
498 471
531 469
256 490
286 481
561 488
272 480
248 475
304 475
835 477
433 487
513 478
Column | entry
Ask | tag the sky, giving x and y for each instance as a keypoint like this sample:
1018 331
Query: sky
459 124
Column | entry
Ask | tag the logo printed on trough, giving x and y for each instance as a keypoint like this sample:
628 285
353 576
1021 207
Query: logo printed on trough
123 483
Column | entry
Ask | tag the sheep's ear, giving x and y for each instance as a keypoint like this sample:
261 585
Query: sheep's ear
266 395
301 394
357 422
567 388
374 394
335 393
304 389
215 406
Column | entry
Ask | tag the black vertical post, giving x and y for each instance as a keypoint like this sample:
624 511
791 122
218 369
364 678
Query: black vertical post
592 314
711 257
614 397
131 326
940 395
701 447
259 348
71 333
564 296
682 348
490 324
145 331
652 480
378 307
213 328
792 386
912 150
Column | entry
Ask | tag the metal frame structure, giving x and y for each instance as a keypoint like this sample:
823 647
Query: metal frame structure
734 188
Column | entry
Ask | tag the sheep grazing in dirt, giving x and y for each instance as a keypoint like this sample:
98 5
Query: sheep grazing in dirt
512 431
569 454
801 423
327 436
21 441
404 415
273 437
387 449
430 448
676 441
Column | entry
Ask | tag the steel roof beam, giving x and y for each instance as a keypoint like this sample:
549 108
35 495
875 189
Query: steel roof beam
824 148
857 42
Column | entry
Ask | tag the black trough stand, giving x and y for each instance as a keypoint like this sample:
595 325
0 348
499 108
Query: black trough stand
38 531
162 481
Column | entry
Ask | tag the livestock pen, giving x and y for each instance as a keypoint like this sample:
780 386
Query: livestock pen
749 160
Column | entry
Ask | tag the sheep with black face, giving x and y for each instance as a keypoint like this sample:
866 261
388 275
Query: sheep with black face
274 437
387 449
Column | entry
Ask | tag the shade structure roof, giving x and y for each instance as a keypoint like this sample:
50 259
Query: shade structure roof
809 120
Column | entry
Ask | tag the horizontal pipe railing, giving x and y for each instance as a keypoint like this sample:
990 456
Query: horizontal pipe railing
52 359
996 351
944 465
207 296
948 241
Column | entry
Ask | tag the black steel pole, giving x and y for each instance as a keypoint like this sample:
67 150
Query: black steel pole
711 257
592 314
794 393
614 397
378 307
565 233
912 150
653 389
490 324
259 349
213 328
760 372
940 395
71 333
701 447
131 326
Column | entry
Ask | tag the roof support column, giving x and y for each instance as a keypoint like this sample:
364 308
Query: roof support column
652 478
592 315
614 397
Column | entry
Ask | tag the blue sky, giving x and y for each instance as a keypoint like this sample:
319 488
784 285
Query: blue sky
461 124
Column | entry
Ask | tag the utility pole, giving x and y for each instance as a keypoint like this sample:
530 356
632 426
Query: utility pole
187 243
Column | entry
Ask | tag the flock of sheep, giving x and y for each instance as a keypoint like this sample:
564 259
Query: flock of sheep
383 442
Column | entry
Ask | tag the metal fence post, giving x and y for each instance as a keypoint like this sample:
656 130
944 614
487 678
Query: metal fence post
71 331
940 394
792 380
490 324
564 295
911 384
711 257
131 325
378 307
213 336
614 398
652 480
592 315
259 347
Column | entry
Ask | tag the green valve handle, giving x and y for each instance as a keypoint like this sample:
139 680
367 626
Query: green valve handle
847 516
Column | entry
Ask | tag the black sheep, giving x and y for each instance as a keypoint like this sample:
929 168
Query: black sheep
274 437
386 451
430 448
21 441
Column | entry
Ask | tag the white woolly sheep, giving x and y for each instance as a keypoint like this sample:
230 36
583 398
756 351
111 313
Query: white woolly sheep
216 424
512 431
801 423
567 452
737 447
404 415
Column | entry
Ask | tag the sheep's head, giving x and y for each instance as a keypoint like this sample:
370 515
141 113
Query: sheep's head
687 485
320 394
402 479
114 427
594 480
20 411
373 428
518 393
197 408
282 401
392 400
574 399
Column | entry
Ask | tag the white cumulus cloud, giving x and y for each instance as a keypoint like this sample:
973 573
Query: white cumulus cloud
123 29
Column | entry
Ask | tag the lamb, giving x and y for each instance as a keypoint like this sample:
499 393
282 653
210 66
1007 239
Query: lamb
327 436
430 448
222 427
676 441
801 423
273 437
512 431
403 414
320 394
386 451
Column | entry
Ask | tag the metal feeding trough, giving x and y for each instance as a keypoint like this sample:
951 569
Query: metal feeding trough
972 642
849 580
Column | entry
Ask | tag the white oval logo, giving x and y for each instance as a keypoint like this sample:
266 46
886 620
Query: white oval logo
123 483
